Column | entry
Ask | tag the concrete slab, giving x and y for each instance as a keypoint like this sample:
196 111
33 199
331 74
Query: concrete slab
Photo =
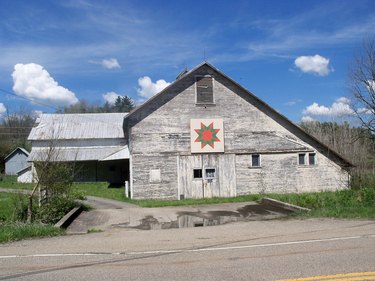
133 217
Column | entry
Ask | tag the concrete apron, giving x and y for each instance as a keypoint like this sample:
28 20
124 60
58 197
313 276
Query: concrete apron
132 217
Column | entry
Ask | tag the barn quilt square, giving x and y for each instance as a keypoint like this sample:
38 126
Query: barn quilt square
206 135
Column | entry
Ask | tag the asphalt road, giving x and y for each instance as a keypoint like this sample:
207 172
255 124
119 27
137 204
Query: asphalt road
259 250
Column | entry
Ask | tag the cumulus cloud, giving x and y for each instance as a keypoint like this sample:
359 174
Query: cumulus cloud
341 107
33 82
2 109
313 64
147 88
111 97
307 119
111 63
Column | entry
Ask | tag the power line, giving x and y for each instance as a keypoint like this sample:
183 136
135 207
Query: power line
28 99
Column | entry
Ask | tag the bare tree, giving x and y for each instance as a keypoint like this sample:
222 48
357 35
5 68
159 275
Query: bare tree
362 84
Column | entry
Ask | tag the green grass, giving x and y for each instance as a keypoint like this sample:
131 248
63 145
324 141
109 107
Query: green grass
185 202
11 183
348 203
351 203
6 206
100 189
17 231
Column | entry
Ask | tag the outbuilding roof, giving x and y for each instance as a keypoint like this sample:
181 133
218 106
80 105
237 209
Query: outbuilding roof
24 151
78 126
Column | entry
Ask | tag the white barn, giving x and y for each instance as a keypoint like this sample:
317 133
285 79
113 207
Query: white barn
202 136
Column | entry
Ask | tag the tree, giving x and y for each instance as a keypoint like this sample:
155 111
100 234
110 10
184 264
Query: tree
362 84
123 104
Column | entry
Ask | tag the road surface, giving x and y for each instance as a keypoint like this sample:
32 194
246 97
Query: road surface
259 250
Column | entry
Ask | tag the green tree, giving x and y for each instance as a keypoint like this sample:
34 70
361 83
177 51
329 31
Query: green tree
123 104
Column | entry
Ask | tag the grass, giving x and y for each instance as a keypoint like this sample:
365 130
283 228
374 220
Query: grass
11 229
18 231
351 203
11 183
100 189
6 206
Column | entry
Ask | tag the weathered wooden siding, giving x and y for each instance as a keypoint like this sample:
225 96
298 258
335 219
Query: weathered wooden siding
144 187
160 132
223 185
281 173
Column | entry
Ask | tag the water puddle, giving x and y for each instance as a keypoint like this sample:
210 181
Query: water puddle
251 212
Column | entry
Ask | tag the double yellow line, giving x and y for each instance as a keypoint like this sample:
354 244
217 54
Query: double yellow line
355 276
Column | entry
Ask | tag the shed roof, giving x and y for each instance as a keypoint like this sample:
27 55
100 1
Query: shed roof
78 126
24 151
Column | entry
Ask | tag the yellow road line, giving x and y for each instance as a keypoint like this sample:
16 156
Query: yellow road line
356 276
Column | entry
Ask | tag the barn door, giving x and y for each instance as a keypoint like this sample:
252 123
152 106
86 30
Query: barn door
206 176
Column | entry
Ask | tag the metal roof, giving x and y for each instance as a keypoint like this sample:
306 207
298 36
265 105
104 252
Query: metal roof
78 126
79 154
18 148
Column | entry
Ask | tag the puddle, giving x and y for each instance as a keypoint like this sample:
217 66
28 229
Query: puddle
211 218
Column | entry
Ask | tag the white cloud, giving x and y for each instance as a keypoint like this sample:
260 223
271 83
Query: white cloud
2 109
33 82
313 64
147 88
307 119
111 97
340 107
110 63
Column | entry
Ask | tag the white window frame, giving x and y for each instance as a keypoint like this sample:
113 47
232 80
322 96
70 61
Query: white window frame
205 173
307 159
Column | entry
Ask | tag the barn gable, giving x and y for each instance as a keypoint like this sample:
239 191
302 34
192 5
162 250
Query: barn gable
161 137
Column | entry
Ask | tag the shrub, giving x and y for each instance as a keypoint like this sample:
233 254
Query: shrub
52 211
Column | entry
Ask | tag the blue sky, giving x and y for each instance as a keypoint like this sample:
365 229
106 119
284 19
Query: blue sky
294 55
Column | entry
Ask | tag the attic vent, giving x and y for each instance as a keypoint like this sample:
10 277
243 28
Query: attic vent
205 93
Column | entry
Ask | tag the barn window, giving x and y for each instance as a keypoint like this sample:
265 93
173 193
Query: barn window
312 158
301 158
210 173
198 173
204 90
307 159
255 160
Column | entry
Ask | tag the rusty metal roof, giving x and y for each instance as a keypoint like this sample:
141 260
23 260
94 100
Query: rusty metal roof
78 126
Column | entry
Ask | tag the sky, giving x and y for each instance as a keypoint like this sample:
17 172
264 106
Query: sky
294 55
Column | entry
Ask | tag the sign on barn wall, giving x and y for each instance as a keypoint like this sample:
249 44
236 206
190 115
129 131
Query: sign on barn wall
206 135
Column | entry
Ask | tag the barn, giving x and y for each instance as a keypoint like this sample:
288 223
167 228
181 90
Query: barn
16 161
94 143
202 136
207 136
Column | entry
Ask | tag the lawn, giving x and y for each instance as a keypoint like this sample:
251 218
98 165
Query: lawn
12 229
350 203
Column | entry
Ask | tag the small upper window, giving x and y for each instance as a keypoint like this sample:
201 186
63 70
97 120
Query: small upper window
255 160
301 159
307 159
312 158
204 88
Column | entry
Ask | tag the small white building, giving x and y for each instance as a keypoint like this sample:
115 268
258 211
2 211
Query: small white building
16 161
